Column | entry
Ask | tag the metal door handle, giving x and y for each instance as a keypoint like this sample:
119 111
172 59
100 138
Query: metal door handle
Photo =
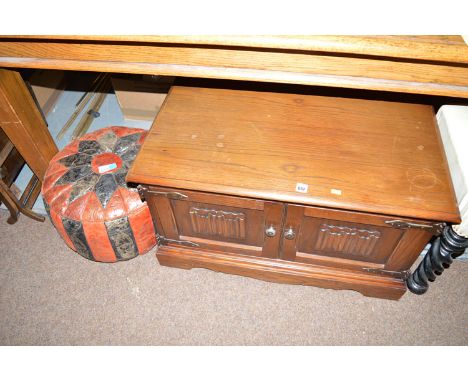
289 233
270 231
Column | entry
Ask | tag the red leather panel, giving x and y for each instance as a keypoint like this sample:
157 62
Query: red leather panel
70 149
131 199
93 210
57 221
77 208
143 230
116 207
98 241
122 131
57 198
50 180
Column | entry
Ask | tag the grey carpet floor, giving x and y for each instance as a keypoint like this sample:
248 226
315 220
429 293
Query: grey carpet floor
51 296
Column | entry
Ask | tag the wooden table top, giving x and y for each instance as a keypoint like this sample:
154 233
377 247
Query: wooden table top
434 65
371 156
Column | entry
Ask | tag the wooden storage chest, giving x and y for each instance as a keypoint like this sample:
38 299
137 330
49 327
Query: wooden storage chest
334 192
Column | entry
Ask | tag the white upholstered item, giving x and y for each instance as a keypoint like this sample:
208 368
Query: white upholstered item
453 126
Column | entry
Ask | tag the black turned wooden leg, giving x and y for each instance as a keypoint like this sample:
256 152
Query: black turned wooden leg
443 250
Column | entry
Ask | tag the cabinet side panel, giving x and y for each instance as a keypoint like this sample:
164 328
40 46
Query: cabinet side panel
163 216
408 250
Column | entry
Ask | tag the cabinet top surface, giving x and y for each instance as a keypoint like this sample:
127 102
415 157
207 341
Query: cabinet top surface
372 156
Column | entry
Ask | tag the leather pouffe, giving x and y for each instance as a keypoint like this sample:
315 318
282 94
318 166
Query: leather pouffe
89 202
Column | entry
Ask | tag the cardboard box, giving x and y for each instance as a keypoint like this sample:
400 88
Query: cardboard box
48 86
141 99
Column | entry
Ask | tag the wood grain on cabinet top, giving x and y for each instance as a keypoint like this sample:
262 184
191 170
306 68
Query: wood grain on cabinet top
371 156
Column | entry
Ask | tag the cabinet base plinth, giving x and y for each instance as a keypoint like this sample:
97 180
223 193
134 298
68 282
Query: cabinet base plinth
281 271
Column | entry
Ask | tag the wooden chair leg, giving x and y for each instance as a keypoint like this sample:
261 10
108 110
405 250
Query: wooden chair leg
7 197
23 206
28 198
23 123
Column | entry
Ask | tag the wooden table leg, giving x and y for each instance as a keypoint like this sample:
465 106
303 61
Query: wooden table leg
444 249
23 123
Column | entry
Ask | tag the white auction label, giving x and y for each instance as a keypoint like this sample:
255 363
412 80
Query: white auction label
107 167
302 187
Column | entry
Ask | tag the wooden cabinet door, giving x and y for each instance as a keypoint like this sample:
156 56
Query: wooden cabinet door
349 239
216 222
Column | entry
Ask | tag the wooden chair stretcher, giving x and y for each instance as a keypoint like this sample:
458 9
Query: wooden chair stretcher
25 203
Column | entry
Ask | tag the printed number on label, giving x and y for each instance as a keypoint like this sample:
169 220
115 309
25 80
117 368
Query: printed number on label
301 187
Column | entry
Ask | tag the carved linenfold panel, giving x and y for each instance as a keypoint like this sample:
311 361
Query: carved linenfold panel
230 225
344 239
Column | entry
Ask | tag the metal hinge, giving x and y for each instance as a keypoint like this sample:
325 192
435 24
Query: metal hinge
164 240
141 191
171 195
435 228
399 274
